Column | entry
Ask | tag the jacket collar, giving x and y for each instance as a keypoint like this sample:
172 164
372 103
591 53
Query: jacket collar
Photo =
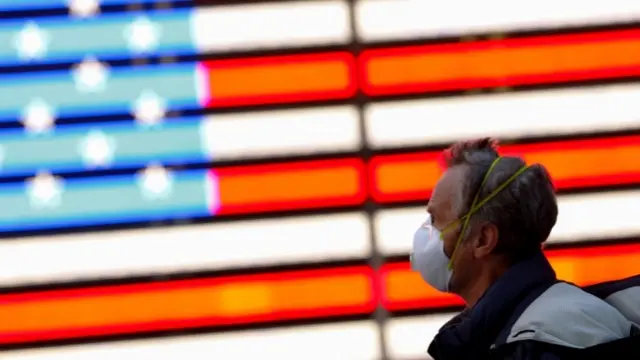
474 330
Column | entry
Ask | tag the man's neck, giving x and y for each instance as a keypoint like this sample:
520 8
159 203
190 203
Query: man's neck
477 288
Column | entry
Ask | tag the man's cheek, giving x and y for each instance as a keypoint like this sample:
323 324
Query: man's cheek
449 247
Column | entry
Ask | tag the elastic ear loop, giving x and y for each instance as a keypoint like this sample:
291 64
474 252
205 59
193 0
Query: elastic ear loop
475 207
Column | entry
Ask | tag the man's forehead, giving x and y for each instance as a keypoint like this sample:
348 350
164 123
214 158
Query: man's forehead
446 191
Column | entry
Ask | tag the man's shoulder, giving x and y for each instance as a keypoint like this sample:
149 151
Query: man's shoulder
623 294
566 315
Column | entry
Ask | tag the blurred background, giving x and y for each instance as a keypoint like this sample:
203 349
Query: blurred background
242 179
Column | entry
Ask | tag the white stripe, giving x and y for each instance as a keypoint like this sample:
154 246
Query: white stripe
271 25
186 248
586 217
409 338
405 19
581 218
288 132
353 341
513 115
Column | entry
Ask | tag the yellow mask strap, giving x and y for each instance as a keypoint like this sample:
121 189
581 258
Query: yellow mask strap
475 206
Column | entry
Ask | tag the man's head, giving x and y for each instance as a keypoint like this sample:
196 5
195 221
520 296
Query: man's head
510 227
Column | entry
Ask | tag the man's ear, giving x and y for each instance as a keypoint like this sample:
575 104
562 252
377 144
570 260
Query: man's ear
487 240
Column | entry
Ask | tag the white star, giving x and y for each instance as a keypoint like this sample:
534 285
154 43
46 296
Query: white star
38 116
97 149
31 42
44 190
83 8
142 35
90 75
155 182
149 108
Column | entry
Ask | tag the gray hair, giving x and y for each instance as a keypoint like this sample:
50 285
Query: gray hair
524 212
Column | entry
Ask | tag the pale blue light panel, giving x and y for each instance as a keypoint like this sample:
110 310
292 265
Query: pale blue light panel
175 83
51 4
103 201
71 39
176 141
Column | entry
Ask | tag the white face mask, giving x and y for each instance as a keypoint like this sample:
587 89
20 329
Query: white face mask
428 257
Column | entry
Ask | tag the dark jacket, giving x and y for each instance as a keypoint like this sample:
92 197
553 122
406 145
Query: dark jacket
528 314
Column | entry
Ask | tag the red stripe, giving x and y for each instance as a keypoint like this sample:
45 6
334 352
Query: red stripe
110 310
572 164
288 186
496 63
280 79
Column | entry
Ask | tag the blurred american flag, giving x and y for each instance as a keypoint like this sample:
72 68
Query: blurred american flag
243 178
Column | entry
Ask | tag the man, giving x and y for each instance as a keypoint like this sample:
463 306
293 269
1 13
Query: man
488 218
